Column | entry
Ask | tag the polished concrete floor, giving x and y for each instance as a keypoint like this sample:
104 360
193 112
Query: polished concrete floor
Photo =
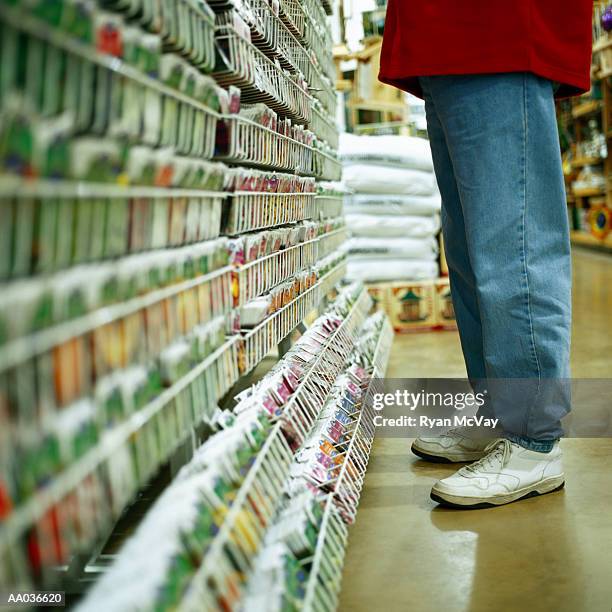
552 553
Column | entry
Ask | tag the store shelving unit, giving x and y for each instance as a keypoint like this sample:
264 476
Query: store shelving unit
182 132
223 575
590 205
177 151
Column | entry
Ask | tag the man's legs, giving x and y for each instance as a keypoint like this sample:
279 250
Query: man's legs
496 155
507 239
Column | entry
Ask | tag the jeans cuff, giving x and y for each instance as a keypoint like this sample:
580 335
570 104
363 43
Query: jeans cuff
539 446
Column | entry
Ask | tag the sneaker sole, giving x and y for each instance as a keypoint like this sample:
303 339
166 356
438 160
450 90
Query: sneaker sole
544 487
443 458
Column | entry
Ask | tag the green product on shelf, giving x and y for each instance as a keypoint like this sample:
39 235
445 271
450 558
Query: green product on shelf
16 142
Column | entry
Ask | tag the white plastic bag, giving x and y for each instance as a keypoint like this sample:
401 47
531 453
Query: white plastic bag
392 270
404 151
404 226
386 248
377 204
368 178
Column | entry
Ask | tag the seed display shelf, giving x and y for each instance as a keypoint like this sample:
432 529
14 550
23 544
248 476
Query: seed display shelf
140 390
332 240
324 127
189 132
123 124
259 78
150 111
304 406
307 20
333 275
323 586
259 341
215 575
98 223
309 532
228 556
258 277
180 404
210 292
346 486
273 37
329 206
250 211
340 506
251 144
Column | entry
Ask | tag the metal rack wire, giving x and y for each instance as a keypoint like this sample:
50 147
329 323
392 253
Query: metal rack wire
259 341
325 576
252 144
266 481
258 277
329 206
259 78
305 404
324 128
347 485
250 211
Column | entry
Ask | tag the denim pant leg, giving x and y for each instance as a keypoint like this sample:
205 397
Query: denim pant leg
498 133
461 275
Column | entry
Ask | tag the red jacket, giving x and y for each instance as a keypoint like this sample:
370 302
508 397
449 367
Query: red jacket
551 38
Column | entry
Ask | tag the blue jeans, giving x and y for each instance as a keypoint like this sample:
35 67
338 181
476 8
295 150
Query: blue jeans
497 160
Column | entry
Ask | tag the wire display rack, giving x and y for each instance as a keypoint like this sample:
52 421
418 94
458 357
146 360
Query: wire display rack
324 128
308 399
164 130
251 144
248 211
347 485
151 98
325 577
45 340
259 78
272 35
258 277
205 382
331 241
329 206
333 277
328 168
264 482
307 21
188 29
259 341
141 219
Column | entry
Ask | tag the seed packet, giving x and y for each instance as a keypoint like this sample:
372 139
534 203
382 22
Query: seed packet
121 479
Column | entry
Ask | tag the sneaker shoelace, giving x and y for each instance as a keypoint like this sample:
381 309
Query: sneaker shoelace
498 450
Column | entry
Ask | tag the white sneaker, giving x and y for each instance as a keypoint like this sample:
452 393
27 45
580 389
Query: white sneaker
455 446
507 473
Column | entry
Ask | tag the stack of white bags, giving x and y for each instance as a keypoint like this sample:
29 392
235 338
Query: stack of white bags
393 210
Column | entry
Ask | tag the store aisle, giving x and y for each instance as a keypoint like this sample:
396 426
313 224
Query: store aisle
549 553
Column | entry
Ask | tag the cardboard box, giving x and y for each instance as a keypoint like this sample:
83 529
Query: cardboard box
378 293
411 306
445 313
